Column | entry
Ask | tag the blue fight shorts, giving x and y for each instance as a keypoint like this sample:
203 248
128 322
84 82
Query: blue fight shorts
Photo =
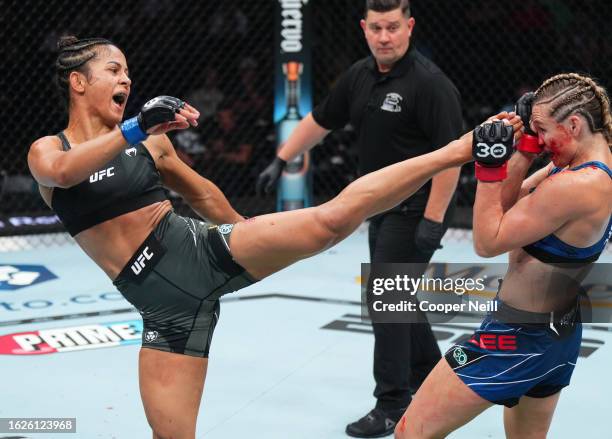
503 361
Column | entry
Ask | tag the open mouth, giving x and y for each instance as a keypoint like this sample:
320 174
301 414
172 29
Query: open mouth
120 99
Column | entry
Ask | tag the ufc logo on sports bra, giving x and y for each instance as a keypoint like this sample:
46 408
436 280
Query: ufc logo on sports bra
104 173
140 261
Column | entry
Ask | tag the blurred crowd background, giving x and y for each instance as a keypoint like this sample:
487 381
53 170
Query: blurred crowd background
219 56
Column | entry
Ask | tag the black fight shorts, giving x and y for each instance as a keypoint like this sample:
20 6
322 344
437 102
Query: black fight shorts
175 280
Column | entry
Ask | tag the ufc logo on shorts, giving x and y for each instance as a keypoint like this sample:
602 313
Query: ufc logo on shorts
97 176
497 150
495 342
140 261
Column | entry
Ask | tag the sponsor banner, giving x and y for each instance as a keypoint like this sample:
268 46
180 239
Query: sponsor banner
465 293
16 276
12 307
29 223
293 97
75 338
293 36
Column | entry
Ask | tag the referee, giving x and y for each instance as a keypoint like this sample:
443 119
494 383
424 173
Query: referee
401 106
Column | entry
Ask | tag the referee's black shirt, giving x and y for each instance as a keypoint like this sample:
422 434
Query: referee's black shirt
411 110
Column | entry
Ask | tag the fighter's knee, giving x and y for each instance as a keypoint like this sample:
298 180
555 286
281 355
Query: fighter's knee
407 434
411 430
159 432
330 224
400 429
160 435
170 430
167 433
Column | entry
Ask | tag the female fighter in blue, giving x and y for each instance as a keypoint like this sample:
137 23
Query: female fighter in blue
554 224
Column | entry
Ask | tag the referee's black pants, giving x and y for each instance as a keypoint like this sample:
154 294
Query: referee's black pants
404 353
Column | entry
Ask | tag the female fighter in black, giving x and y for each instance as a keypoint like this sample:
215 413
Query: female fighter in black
104 179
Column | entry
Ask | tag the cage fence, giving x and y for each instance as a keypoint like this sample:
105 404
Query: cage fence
219 56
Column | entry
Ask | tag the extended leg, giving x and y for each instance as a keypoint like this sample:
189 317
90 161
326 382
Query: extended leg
271 242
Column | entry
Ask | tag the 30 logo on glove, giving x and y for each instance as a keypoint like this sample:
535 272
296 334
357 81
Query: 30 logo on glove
485 151
492 148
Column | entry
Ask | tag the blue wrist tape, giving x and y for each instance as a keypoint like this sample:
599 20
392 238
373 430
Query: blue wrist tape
132 132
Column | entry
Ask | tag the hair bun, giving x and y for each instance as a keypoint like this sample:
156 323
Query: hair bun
66 41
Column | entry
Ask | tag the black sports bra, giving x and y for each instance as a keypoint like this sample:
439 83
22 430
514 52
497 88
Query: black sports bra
128 182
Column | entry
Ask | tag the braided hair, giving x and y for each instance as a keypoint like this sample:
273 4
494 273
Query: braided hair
571 93
73 56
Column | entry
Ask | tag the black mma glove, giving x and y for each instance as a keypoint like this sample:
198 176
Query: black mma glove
428 235
492 147
269 177
158 110
529 141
